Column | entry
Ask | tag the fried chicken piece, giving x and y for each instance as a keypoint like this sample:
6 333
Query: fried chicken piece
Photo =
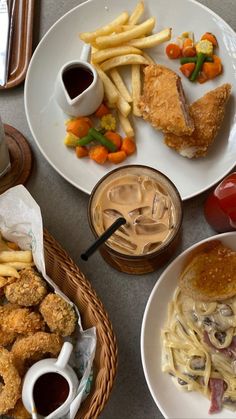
10 390
28 290
32 348
19 411
20 320
207 113
163 102
58 314
210 273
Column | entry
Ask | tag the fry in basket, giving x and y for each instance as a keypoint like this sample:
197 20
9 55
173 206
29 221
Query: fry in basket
120 85
19 265
123 60
16 256
137 13
105 54
123 37
136 87
6 270
89 37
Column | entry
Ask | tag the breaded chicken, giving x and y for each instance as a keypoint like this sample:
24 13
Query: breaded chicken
58 314
207 113
210 275
28 290
163 102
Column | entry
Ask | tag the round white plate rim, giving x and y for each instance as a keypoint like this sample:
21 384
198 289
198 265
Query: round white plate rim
158 283
67 178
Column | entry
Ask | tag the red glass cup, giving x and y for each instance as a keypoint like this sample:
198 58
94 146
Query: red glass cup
220 206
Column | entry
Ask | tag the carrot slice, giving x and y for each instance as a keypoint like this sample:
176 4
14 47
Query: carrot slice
210 37
98 153
79 126
117 157
188 49
211 70
128 146
102 110
173 51
187 69
81 151
114 137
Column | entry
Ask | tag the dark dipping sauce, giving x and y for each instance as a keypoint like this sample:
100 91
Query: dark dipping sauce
50 392
76 80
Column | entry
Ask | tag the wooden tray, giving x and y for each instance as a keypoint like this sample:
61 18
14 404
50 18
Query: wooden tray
73 283
21 47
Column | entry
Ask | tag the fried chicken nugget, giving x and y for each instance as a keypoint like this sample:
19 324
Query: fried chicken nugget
20 320
58 314
9 337
11 389
28 290
19 411
35 347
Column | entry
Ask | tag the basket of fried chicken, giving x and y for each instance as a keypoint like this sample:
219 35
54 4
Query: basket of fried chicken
46 301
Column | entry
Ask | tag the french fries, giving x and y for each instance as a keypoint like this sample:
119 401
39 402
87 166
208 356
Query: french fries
105 54
123 37
6 270
16 256
123 43
120 85
123 60
136 88
89 37
11 261
126 125
136 14
109 88
152 40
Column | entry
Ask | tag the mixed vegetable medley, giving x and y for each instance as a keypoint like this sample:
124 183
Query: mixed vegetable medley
101 143
198 59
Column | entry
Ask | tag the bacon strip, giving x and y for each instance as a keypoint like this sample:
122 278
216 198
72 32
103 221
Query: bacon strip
216 386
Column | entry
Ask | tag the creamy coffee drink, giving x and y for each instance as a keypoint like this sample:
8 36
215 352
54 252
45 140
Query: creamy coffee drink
147 202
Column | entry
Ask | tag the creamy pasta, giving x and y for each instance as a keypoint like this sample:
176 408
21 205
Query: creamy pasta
199 348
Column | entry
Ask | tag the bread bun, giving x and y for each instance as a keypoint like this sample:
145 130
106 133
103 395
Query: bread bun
210 273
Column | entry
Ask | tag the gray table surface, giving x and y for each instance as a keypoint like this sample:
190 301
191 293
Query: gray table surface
64 211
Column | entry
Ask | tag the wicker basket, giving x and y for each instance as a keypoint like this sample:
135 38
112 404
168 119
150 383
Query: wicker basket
72 282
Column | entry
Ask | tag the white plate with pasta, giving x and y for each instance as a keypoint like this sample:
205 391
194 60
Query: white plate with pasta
62 44
171 401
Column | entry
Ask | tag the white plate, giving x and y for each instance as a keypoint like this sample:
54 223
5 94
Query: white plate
171 402
62 44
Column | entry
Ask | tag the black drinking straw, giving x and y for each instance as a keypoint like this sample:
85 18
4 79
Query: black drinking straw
104 236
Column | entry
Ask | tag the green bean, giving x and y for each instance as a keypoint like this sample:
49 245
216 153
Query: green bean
96 135
200 60
185 60
85 140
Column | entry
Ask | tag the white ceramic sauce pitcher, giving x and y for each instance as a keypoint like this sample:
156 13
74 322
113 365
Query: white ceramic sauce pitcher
41 369
87 95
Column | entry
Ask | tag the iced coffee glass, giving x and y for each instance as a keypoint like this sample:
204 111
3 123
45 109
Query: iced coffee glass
152 207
